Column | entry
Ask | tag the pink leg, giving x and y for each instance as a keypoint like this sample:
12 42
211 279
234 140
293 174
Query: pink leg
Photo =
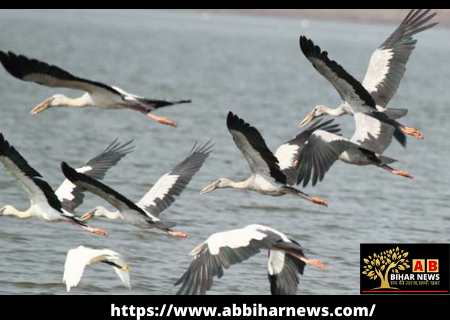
397 172
162 120
177 234
90 229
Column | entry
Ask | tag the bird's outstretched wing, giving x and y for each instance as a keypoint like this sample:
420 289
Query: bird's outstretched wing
38 190
319 153
350 89
388 63
42 73
220 251
72 196
289 152
252 145
172 184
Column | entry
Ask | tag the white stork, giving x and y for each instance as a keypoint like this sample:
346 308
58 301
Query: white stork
321 149
97 94
267 177
77 259
145 213
224 249
386 69
46 204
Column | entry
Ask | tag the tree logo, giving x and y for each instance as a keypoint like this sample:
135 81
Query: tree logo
378 266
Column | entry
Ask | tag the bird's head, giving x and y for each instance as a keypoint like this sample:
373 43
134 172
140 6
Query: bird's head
126 269
317 112
221 183
55 100
7 211
96 212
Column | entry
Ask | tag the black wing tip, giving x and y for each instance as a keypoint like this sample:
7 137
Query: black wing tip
310 49
230 117
122 148
13 62
4 145
205 148
69 172
236 123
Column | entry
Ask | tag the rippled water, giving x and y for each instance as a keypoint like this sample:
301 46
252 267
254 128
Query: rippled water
252 66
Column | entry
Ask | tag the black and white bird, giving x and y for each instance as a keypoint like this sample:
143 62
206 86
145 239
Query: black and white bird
386 69
267 176
72 196
77 259
289 152
97 94
366 146
224 249
146 212
47 205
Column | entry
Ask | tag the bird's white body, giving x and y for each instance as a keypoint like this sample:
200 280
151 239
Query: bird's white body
96 94
386 69
80 257
265 185
267 177
145 213
224 249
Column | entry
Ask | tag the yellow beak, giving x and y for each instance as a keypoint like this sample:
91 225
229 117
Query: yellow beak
41 107
210 188
88 215
126 269
307 120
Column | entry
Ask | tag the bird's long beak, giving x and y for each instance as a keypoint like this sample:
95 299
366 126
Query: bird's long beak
88 215
41 107
308 119
126 269
210 188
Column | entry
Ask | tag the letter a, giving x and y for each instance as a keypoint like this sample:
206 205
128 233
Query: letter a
418 265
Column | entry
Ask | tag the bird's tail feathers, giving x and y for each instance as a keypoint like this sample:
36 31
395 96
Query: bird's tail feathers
164 225
396 113
154 103
386 160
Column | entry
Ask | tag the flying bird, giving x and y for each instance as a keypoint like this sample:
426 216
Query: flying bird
77 259
386 69
366 146
45 204
266 177
146 212
97 94
224 249
72 196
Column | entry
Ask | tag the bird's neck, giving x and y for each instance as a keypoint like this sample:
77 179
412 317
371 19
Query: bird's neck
83 101
11 211
238 185
111 215
341 110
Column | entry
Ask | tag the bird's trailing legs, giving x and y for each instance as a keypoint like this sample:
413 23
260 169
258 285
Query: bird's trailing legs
298 193
397 172
162 120
313 263
413 132
90 229
177 234
410 131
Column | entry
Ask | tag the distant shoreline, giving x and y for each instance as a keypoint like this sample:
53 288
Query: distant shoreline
371 15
